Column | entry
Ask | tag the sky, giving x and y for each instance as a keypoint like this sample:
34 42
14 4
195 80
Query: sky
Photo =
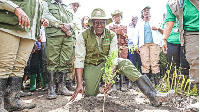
128 7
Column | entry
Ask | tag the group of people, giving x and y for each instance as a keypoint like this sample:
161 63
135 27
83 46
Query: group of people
21 25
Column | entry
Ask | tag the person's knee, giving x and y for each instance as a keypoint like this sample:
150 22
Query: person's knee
91 93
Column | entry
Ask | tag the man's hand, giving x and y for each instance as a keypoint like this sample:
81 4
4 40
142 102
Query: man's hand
107 88
138 51
164 46
154 28
23 19
66 28
45 22
79 89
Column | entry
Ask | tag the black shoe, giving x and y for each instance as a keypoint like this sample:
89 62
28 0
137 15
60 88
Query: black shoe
24 94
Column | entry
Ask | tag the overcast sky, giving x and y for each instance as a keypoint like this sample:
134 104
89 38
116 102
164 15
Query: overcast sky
128 7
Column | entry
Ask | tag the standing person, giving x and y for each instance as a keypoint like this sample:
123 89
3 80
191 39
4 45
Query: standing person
84 22
122 39
93 45
175 52
18 29
44 56
73 8
60 41
187 13
149 45
133 42
36 79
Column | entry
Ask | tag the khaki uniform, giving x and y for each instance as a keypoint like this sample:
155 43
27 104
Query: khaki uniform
16 43
59 46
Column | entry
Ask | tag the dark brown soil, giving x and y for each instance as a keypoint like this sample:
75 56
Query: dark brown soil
130 101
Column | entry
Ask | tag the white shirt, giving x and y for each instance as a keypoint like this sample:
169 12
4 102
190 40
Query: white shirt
157 36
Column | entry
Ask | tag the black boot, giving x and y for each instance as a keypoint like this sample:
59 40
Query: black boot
62 84
45 79
129 84
12 99
122 88
51 89
69 85
148 75
156 98
3 82
156 78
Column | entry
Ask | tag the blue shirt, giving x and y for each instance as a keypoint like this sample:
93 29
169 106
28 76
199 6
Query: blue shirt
148 38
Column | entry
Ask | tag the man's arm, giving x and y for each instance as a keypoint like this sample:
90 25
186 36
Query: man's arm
80 52
46 14
167 30
8 5
23 19
169 23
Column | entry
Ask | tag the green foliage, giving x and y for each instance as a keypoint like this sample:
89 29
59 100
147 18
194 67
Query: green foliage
178 83
109 73
132 48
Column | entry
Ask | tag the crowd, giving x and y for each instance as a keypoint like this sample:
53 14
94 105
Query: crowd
42 41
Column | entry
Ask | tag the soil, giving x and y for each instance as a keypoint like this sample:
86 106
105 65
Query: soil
131 101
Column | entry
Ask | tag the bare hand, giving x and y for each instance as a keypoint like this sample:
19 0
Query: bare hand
45 22
107 88
23 19
138 51
66 28
154 28
164 46
79 89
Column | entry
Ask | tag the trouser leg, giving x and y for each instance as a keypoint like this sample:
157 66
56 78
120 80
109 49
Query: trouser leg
192 54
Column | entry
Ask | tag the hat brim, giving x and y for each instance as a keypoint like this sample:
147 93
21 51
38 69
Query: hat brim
108 20
117 14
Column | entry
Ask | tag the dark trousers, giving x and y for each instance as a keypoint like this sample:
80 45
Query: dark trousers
135 58
176 56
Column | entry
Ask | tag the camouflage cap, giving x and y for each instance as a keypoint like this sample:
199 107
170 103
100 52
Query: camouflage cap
117 12
99 13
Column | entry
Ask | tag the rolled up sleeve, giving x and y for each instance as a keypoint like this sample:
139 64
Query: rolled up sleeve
114 48
80 52
8 5
46 14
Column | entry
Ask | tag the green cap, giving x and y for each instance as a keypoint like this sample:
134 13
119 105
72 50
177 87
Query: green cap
99 13
117 12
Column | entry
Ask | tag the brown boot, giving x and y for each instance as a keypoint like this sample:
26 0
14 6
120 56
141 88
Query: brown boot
3 82
12 99
62 84
156 98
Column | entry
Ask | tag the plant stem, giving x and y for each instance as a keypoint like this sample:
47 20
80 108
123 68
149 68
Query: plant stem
104 101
